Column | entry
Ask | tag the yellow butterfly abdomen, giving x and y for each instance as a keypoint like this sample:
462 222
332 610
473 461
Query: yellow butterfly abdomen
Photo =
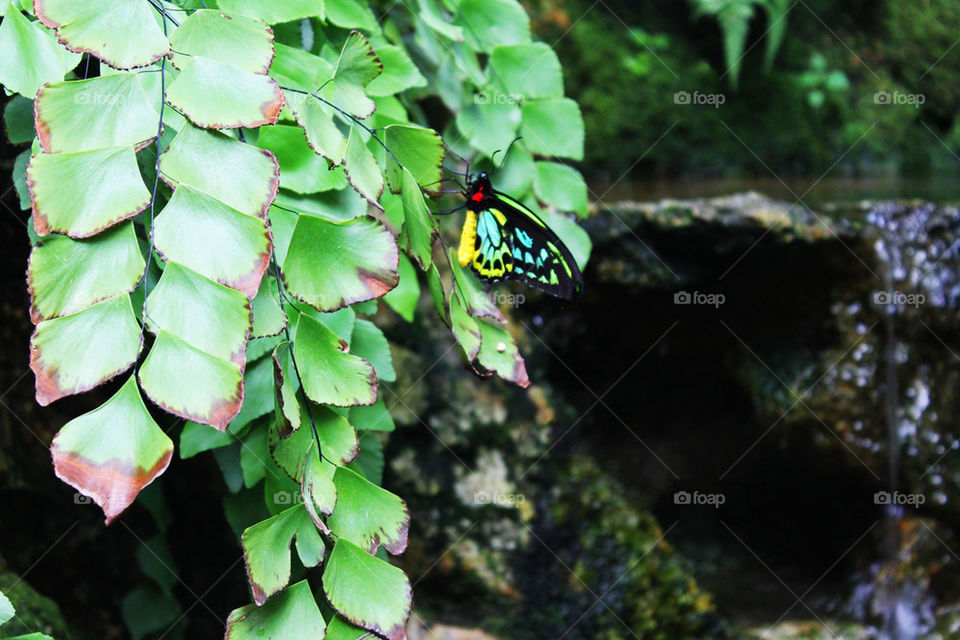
468 239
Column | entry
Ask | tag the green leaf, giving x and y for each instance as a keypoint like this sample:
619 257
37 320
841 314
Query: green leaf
527 71
81 194
367 591
369 343
362 169
340 629
276 11
107 111
29 56
214 239
487 23
517 173
239 175
20 180
317 488
419 150
562 186
146 610
465 327
197 438
472 292
734 17
316 120
330 375
18 120
112 470
403 298
236 41
97 268
268 318
75 353
399 73
218 96
266 550
498 353
6 608
367 515
208 315
286 403
356 67
291 615
122 33
301 169
553 127
258 395
340 322
374 417
191 383
419 226
330 265
294 67
490 126
369 462
351 14
437 294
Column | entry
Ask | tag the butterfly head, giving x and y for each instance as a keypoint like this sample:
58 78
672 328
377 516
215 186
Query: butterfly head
478 188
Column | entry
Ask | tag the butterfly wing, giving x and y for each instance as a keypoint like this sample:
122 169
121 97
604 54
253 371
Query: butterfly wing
505 240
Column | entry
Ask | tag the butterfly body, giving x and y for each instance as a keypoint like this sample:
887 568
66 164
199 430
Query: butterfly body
503 239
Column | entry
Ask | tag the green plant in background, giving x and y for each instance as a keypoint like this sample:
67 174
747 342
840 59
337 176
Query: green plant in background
734 18
201 234
819 81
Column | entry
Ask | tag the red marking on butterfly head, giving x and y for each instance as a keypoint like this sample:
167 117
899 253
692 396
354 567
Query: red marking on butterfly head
478 196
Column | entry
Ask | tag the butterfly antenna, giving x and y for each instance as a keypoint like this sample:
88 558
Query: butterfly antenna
505 153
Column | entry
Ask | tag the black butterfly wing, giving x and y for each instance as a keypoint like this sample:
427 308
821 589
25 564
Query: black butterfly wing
537 257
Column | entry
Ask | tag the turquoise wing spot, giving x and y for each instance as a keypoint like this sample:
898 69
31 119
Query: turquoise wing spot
524 238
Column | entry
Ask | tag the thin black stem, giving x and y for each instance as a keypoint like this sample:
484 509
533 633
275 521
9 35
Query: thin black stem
153 197
293 361
163 11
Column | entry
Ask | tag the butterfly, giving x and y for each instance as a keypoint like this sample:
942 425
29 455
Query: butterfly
503 239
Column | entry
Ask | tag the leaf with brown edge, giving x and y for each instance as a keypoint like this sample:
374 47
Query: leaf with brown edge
357 66
237 174
331 265
499 353
290 615
317 487
106 111
192 223
81 194
75 353
266 550
210 316
217 96
367 591
229 38
329 374
97 268
112 452
362 169
368 515
191 383
122 33
465 327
